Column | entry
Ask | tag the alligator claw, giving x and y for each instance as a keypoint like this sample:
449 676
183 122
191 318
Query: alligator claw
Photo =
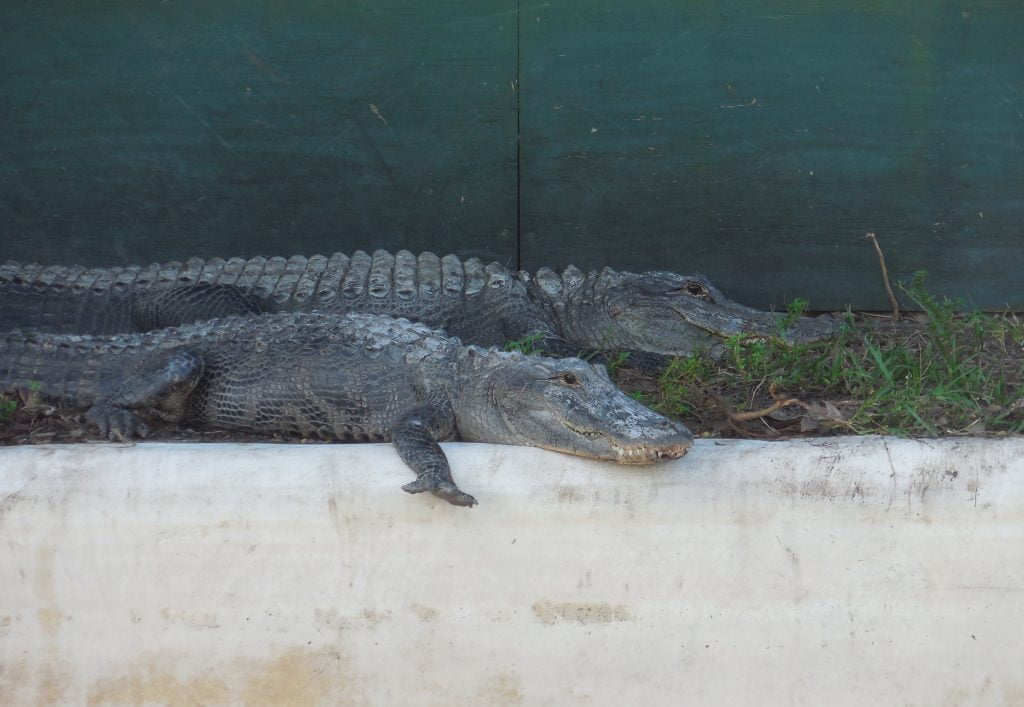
115 424
442 488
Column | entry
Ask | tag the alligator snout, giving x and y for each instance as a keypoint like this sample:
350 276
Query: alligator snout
807 330
677 453
671 441
677 450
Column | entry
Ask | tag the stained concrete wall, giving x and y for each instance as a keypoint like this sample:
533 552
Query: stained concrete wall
841 571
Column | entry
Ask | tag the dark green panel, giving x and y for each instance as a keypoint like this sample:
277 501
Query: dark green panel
147 130
758 142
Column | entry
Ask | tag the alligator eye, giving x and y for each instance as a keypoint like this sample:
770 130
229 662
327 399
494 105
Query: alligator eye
696 290
569 378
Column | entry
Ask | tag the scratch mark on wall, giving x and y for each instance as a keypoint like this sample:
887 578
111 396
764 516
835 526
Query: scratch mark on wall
264 66
202 121
376 112
617 124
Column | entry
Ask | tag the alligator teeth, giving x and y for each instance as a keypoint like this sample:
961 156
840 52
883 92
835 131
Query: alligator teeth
638 454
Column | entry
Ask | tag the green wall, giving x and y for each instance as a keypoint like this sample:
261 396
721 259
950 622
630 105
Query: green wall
756 142
143 130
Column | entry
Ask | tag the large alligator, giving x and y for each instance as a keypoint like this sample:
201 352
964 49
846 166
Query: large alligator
341 377
564 313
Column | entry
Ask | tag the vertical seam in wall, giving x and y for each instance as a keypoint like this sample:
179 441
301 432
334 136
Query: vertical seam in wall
518 106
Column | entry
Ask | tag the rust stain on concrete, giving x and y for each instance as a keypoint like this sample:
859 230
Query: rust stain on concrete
54 680
297 677
192 619
13 679
49 614
154 686
5 624
54 674
580 613
367 618
505 688
426 614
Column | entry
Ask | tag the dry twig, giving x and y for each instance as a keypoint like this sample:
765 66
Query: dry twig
763 412
885 276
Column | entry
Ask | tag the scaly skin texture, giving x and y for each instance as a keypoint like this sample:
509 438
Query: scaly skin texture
353 377
565 313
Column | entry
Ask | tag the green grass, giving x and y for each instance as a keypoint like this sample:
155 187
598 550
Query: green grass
27 397
526 345
951 373
8 406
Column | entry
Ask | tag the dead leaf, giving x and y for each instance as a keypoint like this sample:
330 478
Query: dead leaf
976 428
826 415
808 424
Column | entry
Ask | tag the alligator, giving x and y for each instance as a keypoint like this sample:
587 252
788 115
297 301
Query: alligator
344 377
563 313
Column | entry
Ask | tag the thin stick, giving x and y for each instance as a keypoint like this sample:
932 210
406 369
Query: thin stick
734 419
763 412
885 277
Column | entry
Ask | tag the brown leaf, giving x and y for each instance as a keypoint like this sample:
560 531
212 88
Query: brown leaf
826 415
976 428
808 424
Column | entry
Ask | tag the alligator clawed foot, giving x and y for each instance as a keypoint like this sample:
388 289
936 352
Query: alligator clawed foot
115 424
442 488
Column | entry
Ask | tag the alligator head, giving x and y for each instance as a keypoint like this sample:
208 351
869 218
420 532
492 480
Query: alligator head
660 312
566 405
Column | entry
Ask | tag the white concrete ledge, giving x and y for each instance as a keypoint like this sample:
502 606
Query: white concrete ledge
839 571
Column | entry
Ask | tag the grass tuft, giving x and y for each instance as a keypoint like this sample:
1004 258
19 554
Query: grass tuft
941 373
8 406
527 345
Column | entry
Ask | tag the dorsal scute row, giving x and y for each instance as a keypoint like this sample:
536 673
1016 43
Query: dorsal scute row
354 282
561 285
403 275
190 271
453 276
474 272
210 270
329 284
429 268
232 270
268 279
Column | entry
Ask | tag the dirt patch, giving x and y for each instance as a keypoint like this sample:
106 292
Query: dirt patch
49 424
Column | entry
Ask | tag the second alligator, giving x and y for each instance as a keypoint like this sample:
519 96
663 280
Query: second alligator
563 313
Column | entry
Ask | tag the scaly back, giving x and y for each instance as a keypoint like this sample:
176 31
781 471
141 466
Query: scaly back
467 298
77 369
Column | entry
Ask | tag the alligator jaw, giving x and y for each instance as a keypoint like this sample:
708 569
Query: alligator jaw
638 455
758 326
564 405
647 452
669 314
807 330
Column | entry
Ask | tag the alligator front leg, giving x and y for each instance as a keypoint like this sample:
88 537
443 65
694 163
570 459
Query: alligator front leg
156 390
415 436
